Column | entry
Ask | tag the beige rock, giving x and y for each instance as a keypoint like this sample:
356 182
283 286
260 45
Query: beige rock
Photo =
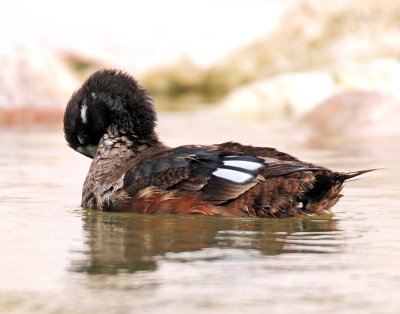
294 94
381 75
34 84
281 96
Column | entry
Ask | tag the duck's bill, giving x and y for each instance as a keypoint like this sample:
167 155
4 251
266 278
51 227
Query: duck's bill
88 151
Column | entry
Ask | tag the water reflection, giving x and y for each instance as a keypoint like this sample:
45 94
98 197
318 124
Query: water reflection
129 243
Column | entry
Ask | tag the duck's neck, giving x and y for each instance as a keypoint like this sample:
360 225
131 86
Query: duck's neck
117 147
124 137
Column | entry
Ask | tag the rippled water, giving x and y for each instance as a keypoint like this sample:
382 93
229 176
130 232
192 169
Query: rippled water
59 258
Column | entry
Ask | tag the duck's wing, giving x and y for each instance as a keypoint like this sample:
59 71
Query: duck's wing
217 175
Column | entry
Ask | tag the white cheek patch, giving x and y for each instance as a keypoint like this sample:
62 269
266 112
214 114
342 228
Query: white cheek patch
233 175
84 113
244 164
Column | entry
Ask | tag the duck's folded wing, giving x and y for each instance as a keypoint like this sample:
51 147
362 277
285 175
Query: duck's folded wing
218 175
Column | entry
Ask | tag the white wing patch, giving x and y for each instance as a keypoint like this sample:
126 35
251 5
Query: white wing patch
233 175
244 164
84 113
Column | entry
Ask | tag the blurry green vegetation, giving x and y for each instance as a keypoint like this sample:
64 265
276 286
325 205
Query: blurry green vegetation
80 66
313 34
181 84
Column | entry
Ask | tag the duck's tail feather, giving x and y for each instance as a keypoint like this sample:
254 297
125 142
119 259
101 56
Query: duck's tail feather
349 175
326 190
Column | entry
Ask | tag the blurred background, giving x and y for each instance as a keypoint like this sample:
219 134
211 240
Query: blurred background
316 79
334 66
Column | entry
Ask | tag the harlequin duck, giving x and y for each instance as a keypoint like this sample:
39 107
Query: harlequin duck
111 119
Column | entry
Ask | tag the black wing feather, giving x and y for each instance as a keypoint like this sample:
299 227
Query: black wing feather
204 170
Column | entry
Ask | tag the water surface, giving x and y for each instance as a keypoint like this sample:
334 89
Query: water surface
59 258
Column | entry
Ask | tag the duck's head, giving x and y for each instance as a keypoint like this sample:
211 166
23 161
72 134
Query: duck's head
108 100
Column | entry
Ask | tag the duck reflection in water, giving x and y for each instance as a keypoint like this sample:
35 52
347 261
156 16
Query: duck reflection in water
129 243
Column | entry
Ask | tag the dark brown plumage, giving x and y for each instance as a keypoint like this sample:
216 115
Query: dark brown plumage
112 119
